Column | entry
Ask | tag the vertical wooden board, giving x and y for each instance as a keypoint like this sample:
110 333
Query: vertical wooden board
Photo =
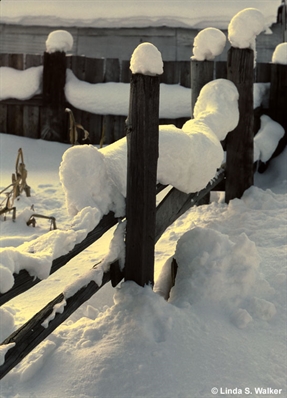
170 73
221 70
15 119
112 70
126 73
108 129
94 70
184 68
53 124
4 59
31 121
16 61
263 73
239 142
201 73
95 132
78 66
33 60
31 114
118 127
278 100
69 59
3 118
15 112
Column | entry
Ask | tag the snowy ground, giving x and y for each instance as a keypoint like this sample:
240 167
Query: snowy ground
224 326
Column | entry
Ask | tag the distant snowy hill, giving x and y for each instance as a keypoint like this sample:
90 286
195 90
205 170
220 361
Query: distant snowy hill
136 13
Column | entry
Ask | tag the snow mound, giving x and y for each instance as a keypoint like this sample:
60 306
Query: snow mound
59 40
214 269
267 138
20 84
217 107
280 54
207 44
147 60
244 27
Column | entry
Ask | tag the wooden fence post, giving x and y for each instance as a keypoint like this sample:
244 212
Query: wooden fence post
201 72
53 118
239 142
278 100
142 141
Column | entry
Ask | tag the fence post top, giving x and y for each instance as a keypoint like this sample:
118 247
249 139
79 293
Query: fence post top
147 60
59 40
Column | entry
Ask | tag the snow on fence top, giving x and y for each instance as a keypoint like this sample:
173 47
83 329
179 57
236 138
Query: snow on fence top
244 27
280 54
147 60
217 106
59 40
207 44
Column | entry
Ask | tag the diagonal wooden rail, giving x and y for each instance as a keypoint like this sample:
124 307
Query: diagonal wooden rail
32 333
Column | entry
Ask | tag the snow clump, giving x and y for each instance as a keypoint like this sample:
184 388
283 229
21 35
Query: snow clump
207 44
211 267
147 60
82 188
216 113
20 84
244 27
59 40
267 138
280 54
217 107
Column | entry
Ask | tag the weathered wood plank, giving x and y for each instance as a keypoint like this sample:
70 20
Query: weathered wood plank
23 281
220 70
32 333
3 118
201 72
31 113
142 145
171 73
185 78
278 100
263 72
126 73
239 142
53 120
94 70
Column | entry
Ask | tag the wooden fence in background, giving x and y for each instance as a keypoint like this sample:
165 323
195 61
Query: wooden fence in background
27 118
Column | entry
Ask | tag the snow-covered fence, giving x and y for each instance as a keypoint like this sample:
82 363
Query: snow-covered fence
24 111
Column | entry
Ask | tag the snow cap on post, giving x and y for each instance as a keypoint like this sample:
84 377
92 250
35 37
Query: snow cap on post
244 27
147 60
207 44
59 40
280 54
